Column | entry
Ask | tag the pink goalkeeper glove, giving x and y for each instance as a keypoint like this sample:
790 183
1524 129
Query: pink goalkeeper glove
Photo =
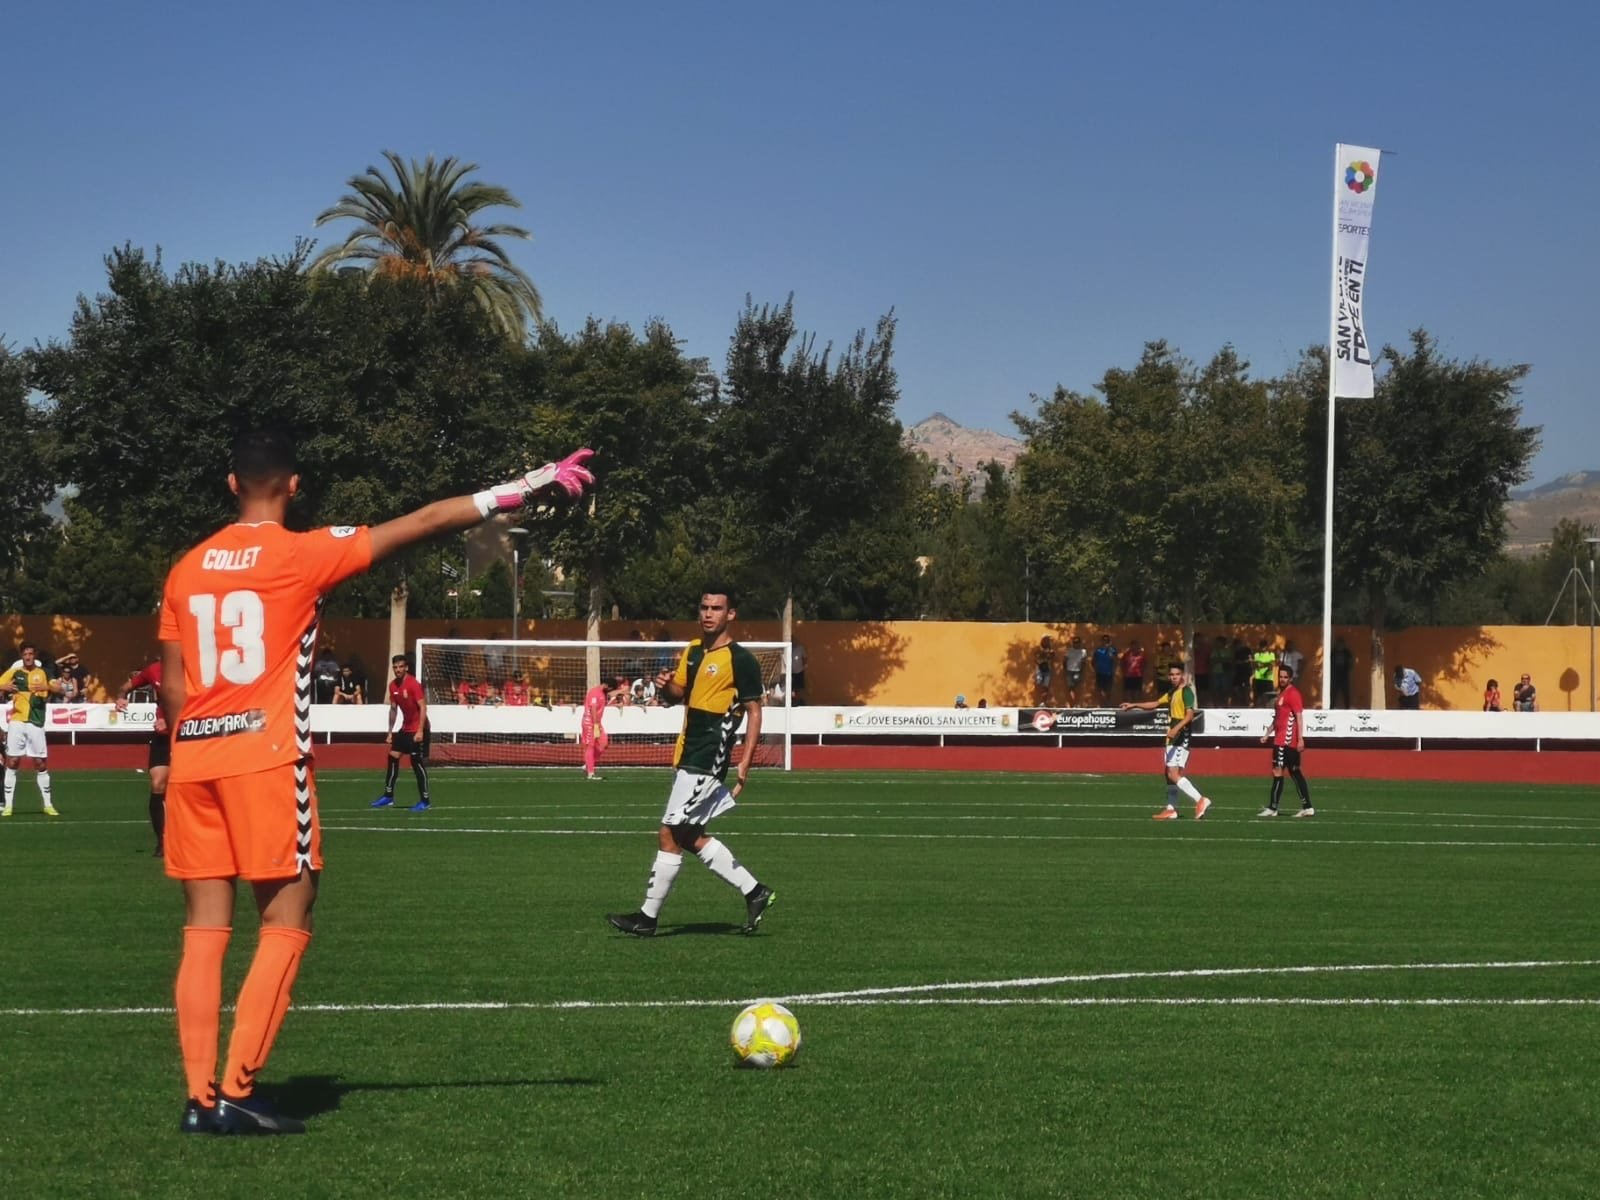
570 475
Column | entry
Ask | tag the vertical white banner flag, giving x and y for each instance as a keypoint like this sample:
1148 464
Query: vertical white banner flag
1354 189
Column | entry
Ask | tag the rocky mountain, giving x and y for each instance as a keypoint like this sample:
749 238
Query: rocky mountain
959 451
1534 511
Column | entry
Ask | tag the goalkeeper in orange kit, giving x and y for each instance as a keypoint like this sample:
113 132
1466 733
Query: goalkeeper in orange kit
238 627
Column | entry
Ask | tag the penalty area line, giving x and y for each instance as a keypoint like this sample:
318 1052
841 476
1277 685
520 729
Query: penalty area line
464 1006
918 993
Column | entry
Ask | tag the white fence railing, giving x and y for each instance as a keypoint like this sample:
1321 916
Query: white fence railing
823 722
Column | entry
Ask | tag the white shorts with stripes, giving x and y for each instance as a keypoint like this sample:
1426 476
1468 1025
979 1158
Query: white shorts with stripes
696 799
1177 756
26 740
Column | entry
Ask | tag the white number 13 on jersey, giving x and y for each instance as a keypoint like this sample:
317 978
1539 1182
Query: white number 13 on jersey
244 616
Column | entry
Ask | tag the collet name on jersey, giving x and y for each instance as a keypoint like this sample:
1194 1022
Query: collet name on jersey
230 560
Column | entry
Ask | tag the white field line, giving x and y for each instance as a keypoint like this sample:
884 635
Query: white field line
920 993
1150 838
1074 817
636 829
542 777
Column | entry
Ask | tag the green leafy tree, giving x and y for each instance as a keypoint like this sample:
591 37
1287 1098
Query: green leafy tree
705 538
420 223
1166 499
82 566
393 401
1063 491
812 452
1423 474
638 402
25 533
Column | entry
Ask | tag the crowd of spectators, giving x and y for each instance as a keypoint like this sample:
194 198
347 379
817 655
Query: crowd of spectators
1226 671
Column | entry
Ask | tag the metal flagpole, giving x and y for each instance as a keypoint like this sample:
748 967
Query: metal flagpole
1327 504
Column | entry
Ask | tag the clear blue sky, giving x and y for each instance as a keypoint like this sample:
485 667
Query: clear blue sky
1036 189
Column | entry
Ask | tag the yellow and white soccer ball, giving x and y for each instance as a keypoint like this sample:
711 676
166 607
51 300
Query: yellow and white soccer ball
765 1035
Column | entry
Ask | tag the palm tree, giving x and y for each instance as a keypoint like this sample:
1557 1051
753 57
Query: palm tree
420 226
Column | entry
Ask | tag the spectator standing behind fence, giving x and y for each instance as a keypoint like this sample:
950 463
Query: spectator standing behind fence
74 679
1491 696
1524 696
1105 667
1409 686
1263 669
1342 664
1072 663
1043 669
1133 670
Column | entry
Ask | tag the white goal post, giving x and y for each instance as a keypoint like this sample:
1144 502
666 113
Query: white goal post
520 703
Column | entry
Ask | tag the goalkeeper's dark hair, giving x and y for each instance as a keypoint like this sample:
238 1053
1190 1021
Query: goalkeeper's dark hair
262 456
716 587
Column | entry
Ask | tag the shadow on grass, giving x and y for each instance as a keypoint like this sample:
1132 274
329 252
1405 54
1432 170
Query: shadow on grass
703 928
306 1096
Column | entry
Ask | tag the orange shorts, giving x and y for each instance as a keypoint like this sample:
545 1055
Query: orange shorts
257 827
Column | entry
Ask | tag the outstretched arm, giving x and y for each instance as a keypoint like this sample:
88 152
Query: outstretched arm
569 476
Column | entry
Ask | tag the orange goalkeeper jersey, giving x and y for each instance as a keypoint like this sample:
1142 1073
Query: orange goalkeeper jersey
245 603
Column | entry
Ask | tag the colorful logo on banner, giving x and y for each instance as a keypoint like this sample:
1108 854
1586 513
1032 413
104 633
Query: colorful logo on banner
1360 177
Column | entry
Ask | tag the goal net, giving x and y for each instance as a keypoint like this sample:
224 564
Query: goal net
520 703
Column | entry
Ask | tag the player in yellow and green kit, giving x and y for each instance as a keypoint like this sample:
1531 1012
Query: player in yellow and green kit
28 685
1179 702
720 683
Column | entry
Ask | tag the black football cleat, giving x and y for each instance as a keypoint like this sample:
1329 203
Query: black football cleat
198 1118
635 923
252 1115
756 904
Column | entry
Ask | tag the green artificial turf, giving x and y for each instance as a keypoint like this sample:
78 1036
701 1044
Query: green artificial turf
1129 1008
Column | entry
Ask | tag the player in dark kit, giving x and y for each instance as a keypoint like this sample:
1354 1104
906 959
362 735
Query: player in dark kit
719 682
1182 711
1288 738
160 749
408 735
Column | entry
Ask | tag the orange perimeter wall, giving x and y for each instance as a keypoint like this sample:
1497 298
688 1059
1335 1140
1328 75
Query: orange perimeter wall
930 662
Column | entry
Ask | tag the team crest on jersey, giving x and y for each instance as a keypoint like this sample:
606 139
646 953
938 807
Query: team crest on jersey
711 668
342 531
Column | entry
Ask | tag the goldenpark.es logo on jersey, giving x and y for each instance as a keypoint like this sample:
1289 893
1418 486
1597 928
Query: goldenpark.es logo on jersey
1360 177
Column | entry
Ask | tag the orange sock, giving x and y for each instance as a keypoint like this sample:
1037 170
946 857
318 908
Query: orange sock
263 1000
199 996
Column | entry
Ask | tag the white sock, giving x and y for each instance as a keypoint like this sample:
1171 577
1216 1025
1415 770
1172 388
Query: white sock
662 874
719 860
11 787
43 778
1188 789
